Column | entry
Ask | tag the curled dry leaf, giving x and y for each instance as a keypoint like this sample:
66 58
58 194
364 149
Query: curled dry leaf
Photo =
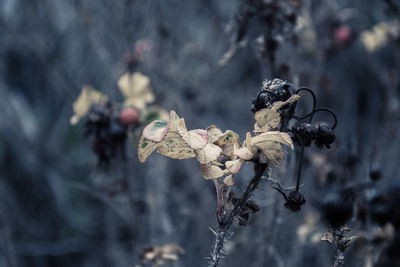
173 145
136 89
233 166
208 153
210 171
196 139
279 104
273 154
145 148
228 180
213 133
328 236
155 131
244 153
273 136
85 100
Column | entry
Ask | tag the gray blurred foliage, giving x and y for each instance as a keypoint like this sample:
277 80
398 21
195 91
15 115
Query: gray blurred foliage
55 209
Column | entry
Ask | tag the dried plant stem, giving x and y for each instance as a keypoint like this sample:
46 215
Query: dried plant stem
226 223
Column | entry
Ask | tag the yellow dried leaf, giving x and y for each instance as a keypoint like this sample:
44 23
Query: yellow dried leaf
213 133
173 146
228 180
272 136
233 166
155 131
136 90
266 120
85 100
208 153
209 171
145 148
196 139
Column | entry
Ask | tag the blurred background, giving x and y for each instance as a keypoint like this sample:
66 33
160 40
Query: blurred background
57 208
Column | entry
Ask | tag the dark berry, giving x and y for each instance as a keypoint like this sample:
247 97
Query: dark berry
307 132
272 91
325 136
294 201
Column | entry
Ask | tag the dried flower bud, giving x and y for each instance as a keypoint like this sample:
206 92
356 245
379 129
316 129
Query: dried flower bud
294 201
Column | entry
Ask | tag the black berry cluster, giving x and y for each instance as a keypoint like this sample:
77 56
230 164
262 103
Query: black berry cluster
107 126
272 91
321 133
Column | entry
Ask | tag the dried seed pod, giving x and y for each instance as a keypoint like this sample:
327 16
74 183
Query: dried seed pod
294 201
307 132
325 136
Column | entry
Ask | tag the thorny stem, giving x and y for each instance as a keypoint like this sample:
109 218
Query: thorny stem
226 223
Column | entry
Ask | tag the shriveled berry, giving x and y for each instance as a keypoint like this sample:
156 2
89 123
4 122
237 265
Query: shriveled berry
128 116
307 132
294 201
325 136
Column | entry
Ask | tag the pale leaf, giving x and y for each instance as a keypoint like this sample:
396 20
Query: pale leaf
209 171
228 180
85 100
244 153
213 133
328 236
155 131
208 153
233 166
279 104
173 146
273 153
145 148
196 139
227 142
273 136
136 90
266 120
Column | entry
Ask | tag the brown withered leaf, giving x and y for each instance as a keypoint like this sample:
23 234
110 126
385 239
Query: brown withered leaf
136 89
85 100
145 148
155 131
208 153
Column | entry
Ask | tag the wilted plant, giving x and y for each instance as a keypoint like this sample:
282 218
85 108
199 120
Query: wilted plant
108 123
222 154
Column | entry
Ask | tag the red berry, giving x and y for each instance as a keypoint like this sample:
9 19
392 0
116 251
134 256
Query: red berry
128 116
342 34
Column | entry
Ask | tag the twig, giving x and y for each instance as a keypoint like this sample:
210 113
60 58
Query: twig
226 223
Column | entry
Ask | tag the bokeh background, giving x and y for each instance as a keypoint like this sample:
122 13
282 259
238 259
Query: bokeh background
56 208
